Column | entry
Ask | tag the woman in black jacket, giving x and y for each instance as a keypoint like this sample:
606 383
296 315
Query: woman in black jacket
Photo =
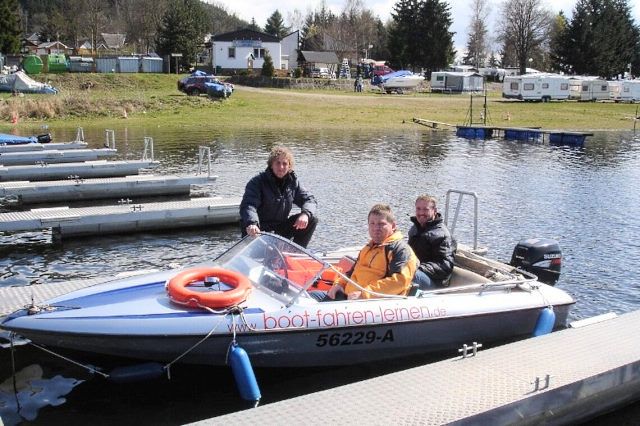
269 197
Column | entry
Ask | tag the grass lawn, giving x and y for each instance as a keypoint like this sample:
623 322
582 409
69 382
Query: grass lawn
115 100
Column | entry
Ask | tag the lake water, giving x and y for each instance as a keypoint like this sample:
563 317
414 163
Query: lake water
586 198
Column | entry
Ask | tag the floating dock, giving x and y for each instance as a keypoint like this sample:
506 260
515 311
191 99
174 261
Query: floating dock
28 147
84 170
85 221
19 193
560 137
55 156
564 377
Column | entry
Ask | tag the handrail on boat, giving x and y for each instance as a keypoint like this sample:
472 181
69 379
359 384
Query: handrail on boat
452 228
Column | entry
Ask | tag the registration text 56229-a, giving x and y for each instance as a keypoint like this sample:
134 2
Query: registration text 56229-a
354 338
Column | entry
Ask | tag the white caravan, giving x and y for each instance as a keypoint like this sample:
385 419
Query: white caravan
629 91
589 89
536 87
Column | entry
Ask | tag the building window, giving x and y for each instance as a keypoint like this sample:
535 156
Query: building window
258 53
232 52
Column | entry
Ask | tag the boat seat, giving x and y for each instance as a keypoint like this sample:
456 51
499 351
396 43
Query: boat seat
461 276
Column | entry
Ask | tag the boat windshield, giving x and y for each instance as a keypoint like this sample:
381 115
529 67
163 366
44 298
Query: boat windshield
276 266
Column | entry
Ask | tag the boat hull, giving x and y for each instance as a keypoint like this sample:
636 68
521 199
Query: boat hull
292 338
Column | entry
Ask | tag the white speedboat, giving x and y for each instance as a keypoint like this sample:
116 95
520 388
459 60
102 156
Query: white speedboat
256 295
399 81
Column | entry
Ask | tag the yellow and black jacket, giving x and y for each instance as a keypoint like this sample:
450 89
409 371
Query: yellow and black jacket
386 268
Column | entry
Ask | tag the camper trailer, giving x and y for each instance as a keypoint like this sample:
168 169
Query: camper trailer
588 89
629 91
536 87
456 82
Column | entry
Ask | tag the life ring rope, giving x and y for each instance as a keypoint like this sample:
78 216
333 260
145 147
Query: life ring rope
178 291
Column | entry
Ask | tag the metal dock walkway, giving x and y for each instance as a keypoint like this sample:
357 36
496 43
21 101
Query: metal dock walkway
559 378
55 156
21 192
88 169
86 221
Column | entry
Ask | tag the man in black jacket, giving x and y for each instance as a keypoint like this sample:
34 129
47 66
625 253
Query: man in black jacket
269 197
431 241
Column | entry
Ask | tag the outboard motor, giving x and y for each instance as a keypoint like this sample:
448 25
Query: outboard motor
45 138
541 257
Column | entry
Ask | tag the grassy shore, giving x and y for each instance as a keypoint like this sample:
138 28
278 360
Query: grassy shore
114 100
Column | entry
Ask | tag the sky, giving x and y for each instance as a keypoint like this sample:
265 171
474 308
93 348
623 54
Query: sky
262 9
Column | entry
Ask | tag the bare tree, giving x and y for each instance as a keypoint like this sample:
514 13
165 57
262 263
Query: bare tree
477 42
525 25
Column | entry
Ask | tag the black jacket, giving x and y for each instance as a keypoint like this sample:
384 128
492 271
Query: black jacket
434 247
267 202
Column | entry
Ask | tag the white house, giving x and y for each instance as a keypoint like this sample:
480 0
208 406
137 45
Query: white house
244 50
289 47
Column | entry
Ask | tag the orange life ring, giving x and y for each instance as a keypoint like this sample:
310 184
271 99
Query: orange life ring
179 293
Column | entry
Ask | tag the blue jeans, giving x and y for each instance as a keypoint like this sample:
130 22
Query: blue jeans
424 281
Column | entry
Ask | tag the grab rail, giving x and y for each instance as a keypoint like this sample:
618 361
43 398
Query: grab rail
452 228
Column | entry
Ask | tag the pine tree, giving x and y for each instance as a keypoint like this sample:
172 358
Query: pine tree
182 30
419 35
601 38
10 31
267 66
275 25
253 26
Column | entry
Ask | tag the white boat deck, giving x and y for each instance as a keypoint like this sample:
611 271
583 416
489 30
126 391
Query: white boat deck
87 169
25 192
560 378
55 156
124 218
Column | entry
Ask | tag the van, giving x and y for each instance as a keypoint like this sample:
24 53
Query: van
320 73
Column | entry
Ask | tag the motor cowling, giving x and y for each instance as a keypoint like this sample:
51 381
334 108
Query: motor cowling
540 256
44 138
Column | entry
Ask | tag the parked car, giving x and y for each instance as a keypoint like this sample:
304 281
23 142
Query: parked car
320 73
194 85
379 70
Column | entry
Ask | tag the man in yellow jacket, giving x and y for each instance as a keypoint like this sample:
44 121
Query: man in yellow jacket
385 265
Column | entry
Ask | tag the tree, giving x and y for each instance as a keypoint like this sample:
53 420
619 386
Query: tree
267 66
419 35
477 40
601 38
10 28
253 26
182 29
559 50
524 28
275 25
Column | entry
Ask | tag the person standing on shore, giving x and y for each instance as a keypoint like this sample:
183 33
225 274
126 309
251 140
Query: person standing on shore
269 197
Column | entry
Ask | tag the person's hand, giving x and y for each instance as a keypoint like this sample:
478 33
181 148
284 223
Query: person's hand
334 290
252 230
354 295
302 221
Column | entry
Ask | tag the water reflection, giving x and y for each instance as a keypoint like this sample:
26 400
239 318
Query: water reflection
584 197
